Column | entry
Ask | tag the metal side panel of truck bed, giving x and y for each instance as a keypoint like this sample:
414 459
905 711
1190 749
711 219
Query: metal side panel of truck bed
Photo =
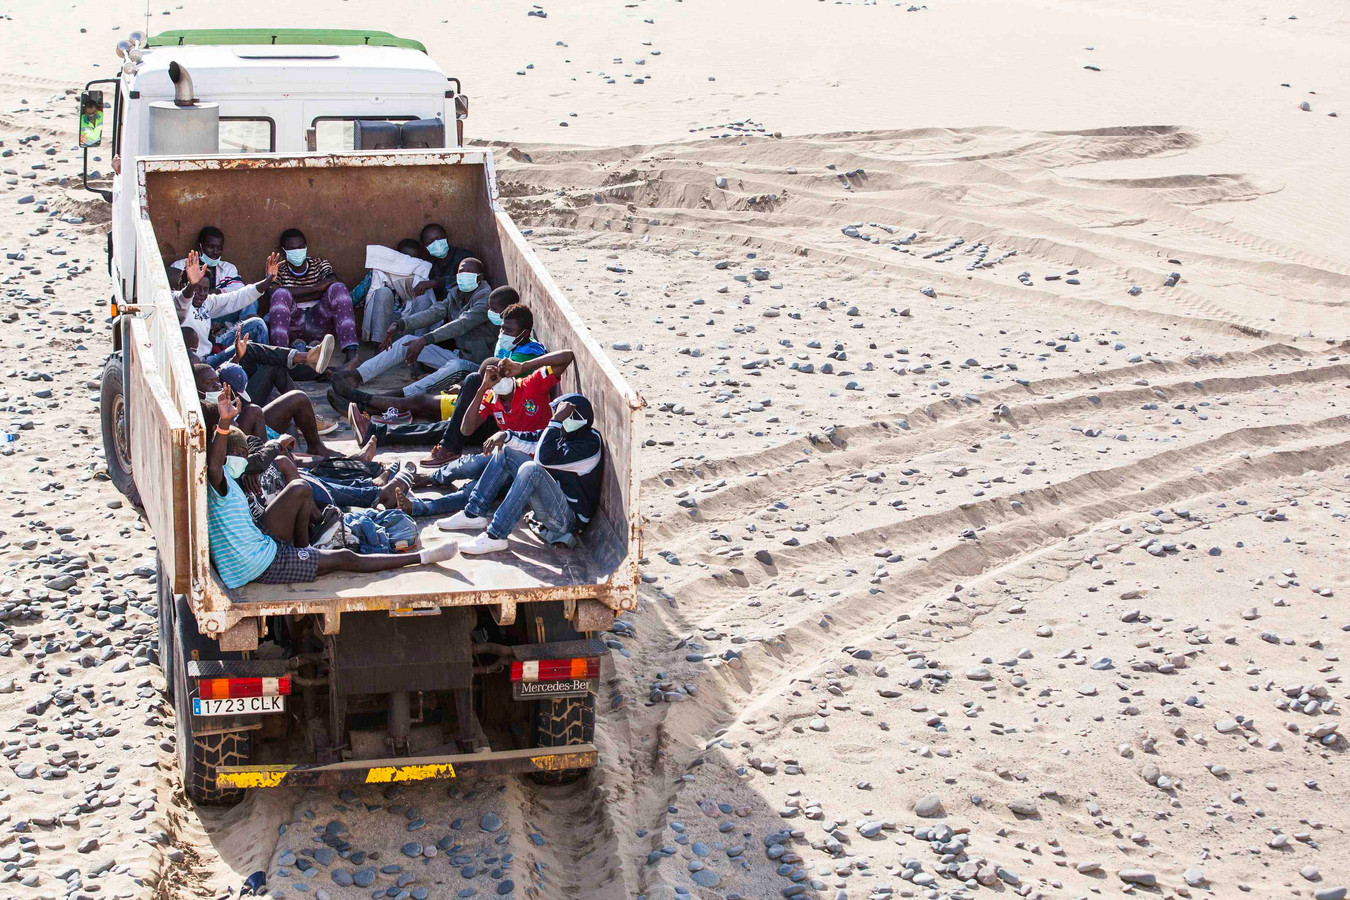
344 201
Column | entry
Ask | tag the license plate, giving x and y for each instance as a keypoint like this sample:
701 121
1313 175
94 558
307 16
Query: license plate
238 706
532 690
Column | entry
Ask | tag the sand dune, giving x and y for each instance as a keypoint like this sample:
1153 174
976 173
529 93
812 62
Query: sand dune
925 518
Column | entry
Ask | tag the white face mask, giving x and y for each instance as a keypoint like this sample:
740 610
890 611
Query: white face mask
573 423
504 387
212 397
235 466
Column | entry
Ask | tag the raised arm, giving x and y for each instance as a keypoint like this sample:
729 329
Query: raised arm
228 408
472 417
558 359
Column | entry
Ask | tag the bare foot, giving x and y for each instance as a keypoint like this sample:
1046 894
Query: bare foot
394 497
319 448
367 450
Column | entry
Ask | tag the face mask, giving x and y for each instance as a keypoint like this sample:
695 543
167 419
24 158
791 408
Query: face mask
466 281
505 387
572 423
439 248
505 344
212 397
235 466
495 318
297 257
211 261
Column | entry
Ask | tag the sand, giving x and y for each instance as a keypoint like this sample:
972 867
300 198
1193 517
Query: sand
923 524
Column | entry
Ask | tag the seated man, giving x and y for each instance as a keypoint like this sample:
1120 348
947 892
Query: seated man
400 285
278 552
560 484
276 369
309 299
221 277
513 395
460 338
514 342
198 308
277 417
445 259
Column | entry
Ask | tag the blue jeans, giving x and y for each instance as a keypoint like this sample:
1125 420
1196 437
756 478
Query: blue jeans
255 328
497 474
362 493
536 488
466 467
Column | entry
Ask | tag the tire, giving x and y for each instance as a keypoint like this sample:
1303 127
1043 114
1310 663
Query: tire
566 721
199 757
167 653
562 723
116 436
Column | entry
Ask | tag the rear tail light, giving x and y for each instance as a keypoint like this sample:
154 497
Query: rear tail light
555 669
227 688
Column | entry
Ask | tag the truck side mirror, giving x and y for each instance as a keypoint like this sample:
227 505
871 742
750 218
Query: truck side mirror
461 106
91 118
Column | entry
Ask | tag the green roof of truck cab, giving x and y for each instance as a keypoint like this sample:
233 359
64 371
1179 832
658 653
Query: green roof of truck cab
312 36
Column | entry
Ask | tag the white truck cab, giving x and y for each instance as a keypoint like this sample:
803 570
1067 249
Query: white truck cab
270 91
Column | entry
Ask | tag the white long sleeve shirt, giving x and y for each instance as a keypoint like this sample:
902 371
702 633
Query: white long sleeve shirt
198 318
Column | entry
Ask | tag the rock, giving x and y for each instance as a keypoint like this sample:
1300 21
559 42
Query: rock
1226 726
342 878
1023 807
705 878
979 673
1141 877
490 822
929 807
1193 877
1330 893
505 887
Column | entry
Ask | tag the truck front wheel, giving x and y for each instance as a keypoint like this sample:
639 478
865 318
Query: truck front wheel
113 415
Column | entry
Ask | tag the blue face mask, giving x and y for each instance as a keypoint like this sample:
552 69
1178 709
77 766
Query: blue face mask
211 261
235 466
439 248
495 318
505 344
466 281
297 257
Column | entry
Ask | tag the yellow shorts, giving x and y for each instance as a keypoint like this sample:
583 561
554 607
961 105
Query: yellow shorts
448 405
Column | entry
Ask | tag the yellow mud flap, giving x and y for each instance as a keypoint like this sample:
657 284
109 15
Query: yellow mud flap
422 768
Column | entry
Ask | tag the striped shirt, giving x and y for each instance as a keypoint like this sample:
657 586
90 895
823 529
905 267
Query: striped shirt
316 269
239 549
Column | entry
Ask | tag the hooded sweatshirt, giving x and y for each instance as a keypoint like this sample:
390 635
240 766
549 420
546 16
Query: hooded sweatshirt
575 460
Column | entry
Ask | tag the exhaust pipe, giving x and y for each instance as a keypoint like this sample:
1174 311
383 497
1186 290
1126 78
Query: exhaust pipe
182 85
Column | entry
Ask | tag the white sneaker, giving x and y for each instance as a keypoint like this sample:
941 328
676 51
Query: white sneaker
461 521
484 543
326 349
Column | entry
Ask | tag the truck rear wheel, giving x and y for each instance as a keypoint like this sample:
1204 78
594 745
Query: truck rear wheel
561 723
200 756
113 414
565 721
165 627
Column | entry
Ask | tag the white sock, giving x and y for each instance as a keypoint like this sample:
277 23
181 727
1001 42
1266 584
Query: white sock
439 553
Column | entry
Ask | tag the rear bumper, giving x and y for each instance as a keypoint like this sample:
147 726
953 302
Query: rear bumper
421 768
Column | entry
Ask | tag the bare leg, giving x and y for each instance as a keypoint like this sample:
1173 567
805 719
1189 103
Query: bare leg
295 407
347 561
427 406
287 516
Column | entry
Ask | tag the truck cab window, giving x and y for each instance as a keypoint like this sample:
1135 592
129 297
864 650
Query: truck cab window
334 133
247 135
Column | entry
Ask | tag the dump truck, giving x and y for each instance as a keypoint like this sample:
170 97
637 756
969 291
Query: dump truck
480 666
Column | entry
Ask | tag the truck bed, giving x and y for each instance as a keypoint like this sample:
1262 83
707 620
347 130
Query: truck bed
402 190
529 563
